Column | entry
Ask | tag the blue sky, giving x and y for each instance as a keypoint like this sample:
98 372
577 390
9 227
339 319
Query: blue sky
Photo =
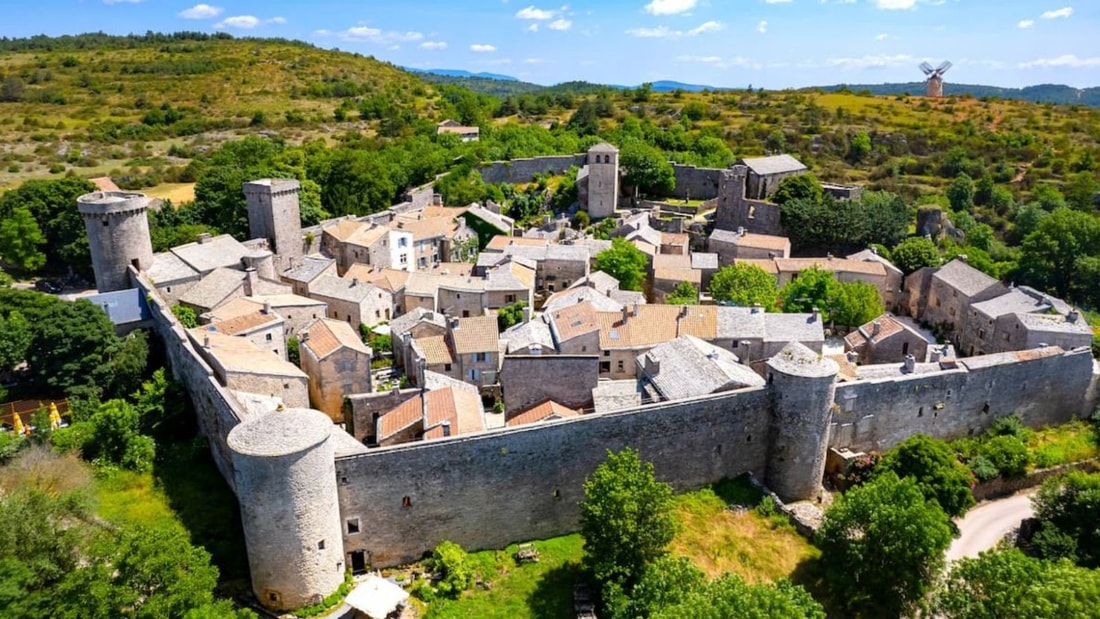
769 43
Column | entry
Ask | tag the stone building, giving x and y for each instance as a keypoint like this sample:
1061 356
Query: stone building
1025 331
475 343
888 339
258 323
943 296
356 242
274 215
438 413
306 271
687 367
557 267
530 337
528 380
118 236
893 297
240 365
354 302
765 174
451 127
547 411
598 181
576 328
412 325
977 332
454 295
732 245
511 281
439 234
223 285
337 363
736 210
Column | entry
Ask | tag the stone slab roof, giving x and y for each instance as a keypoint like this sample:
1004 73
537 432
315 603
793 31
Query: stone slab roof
510 276
1053 323
574 253
391 280
776 164
476 334
962 277
325 336
208 254
498 221
793 328
740 323
603 147
525 335
573 296
628 297
797 360
687 367
616 395
869 255
704 261
405 322
246 323
239 355
1012 302
752 240
309 269
547 411
343 289
500 241
887 326
214 288
894 370
599 280
835 265
169 268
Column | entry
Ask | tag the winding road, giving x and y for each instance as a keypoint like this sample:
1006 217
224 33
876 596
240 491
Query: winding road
983 526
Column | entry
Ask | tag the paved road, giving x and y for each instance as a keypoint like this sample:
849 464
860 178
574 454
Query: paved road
983 526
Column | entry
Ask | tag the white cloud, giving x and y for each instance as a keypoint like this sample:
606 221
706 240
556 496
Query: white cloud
244 22
533 13
664 32
722 63
533 28
895 5
881 37
275 20
377 35
762 27
433 45
868 62
533 60
702 59
1026 23
669 7
201 11
1063 13
481 47
560 24
777 1
1065 60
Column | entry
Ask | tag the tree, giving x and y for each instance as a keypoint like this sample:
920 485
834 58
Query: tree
584 120
510 315
932 464
624 262
961 193
626 519
11 89
15 340
885 216
883 545
1049 255
800 187
1081 191
859 146
293 351
117 438
20 239
855 303
730 597
450 560
1008 583
914 253
186 316
744 285
646 167
685 293
1048 197
813 288
1066 507
52 204
980 236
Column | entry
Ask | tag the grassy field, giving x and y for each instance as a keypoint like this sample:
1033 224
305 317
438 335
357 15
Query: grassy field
178 193
714 536
1071 442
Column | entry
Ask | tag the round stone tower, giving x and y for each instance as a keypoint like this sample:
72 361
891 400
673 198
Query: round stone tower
803 384
118 235
286 484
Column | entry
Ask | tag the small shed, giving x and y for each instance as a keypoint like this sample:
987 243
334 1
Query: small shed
377 598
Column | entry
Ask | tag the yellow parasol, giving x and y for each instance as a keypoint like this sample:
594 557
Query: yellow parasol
17 423
55 417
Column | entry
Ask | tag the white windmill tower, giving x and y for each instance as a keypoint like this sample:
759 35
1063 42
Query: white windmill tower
935 77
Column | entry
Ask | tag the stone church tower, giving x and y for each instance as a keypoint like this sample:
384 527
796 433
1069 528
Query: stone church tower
118 236
603 180
274 214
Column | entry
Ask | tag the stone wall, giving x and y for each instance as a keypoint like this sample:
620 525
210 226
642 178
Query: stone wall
488 490
524 170
531 380
364 409
695 183
875 415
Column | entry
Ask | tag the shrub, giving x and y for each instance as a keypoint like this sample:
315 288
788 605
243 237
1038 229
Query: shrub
1008 454
450 561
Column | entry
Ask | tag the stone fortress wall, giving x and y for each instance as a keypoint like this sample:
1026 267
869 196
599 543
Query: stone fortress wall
490 489
524 170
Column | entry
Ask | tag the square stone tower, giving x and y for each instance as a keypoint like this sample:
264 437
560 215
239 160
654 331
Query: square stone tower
274 214
603 180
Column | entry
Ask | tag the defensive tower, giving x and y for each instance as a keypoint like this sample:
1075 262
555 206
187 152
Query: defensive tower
285 475
803 384
118 236
274 214
603 180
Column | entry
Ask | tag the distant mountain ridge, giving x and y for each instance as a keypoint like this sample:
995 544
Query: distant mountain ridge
464 73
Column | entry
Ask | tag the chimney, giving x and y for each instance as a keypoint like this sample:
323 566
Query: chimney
935 355
757 308
652 365
305 336
354 282
446 428
251 279
684 312
203 238
626 314
454 324
526 314
1072 316
852 356
962 257
740 231
429 315
817 314
874 250
267 307
910 364
636 307
206 342
875 328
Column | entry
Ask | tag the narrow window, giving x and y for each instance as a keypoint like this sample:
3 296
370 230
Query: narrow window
321 545
353 526
406 502
985 409
920 412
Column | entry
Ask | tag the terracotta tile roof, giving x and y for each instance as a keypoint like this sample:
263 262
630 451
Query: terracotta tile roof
769 266
390 280
679 275
499 242
435 349
546 411
476 334
887 326
459 407
671 261
238 354
233 308
572 296
836 265
245 323
367 235
343 230
675 238
324 337
656 324
428 227
575 320
752 240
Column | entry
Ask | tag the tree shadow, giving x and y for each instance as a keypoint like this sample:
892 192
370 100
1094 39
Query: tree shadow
738 491
553 595
810 575
206 506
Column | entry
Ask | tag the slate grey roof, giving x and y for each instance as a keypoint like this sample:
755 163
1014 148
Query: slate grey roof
548 252
793 328
168 268
894 370
213 289
309 270
405 322
522 336
704 261
645 233
1011 302
594 246
776 164
1059 305
603 147
797 360
964 278
616 395
599 279
687 367
1053 323
868 255
487 260
572 296
740 323
340 288
500 222
628 297
219 251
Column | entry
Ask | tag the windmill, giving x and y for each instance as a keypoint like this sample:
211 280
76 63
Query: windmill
935 77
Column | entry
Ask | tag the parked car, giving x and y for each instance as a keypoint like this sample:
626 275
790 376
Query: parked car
48 286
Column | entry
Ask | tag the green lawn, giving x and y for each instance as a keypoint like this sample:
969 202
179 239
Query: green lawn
1070 442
